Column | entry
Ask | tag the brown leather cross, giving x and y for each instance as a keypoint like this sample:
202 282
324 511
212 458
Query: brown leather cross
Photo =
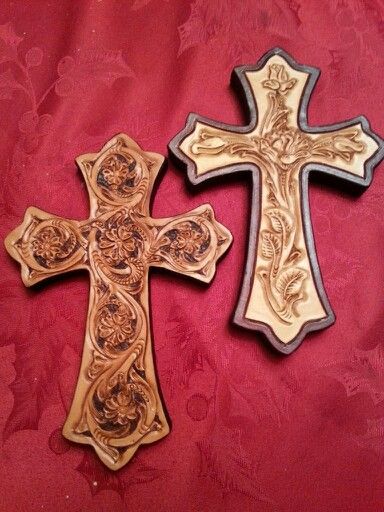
282 294
117 406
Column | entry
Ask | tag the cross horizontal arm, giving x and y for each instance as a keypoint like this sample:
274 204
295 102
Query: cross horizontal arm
46 245
348 148
190 243
210 148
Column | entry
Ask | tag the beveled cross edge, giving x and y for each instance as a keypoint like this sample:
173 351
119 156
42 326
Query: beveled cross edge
240 82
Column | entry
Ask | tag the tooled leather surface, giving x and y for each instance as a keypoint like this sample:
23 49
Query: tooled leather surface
252 430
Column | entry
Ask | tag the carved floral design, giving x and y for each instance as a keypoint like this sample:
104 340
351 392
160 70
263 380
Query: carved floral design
122 408
188 241
116 325
280 150
278 79
119 244
117 405
119 173
47 244
52 244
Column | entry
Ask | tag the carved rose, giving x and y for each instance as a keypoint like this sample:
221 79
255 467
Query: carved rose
286 148
278 79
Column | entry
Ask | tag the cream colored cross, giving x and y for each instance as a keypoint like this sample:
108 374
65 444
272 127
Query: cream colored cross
117 406
282 294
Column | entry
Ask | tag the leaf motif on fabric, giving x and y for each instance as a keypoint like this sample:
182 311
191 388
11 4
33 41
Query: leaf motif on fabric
79 73
9 41
119 482
139 4
289 282
182 335
232 469
35 385
216 19
373 438
364 373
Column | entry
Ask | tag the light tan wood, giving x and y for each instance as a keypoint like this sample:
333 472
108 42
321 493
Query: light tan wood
117 406
283 293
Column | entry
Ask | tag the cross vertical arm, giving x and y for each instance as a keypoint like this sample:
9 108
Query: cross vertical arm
120 174
116 406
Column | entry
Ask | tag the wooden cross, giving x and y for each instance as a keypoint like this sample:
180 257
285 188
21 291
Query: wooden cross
282 293
117 406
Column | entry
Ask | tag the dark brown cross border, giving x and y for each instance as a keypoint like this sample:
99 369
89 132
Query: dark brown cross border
282 294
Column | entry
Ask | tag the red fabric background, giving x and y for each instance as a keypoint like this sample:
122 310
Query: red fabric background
251 430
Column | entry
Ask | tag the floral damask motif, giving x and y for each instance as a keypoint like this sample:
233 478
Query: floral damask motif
74 74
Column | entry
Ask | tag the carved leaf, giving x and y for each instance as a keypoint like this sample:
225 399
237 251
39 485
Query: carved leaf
294 255
270 245
344 146
290 281
280 220
208 145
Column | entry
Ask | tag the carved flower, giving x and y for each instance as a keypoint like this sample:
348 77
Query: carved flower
47 243
117 244
116 171
286 148
188 239
278 79
115 324
121 408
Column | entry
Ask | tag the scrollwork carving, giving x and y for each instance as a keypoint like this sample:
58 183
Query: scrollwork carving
117 405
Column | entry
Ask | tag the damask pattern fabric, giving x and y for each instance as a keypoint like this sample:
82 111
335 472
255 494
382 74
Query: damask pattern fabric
251 429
